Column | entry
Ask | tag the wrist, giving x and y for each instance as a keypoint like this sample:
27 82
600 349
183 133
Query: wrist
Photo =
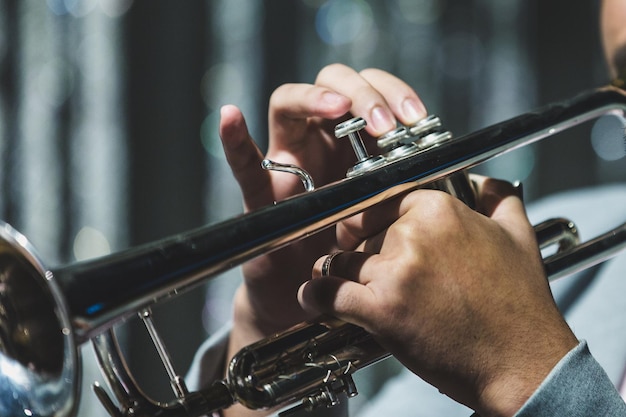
515 382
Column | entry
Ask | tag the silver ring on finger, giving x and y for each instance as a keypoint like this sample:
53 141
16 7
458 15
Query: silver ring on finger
327 262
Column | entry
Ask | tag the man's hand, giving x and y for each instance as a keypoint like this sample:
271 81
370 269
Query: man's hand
302 118
459 297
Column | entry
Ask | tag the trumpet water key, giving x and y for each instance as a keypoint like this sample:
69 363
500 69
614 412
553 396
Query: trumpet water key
45 314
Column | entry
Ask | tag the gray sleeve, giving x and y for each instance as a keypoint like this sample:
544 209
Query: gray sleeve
576 387
209 362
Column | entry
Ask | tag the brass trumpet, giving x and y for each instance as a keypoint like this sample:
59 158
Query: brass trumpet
46 313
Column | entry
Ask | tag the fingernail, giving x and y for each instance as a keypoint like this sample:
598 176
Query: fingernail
332 98
413 110
382 120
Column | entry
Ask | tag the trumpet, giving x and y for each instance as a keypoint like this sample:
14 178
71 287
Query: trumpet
45 314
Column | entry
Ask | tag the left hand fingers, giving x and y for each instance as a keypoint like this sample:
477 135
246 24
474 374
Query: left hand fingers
402 99
292 104
379 103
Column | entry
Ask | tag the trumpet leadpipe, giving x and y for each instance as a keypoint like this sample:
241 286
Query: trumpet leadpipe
103 291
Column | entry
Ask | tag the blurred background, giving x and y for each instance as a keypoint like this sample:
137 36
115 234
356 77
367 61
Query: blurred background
109 112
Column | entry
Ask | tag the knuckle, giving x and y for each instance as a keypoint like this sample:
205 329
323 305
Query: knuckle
432 215
369 71
281 91
446 207
434 204
407 230
329 71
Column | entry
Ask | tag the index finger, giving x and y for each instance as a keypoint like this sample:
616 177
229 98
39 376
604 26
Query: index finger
244 158
292 104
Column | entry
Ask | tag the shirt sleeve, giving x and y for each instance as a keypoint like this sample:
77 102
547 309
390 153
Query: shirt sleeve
209 362
576 387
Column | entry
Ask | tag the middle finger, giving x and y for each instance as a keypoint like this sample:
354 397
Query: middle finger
377 96
367 102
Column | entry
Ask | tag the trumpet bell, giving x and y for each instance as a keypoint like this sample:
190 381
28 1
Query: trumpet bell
36 378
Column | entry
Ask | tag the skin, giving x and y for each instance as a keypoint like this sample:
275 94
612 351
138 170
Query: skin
397 277
302 118
613 16
447 259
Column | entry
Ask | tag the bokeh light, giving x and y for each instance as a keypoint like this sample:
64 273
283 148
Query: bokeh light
339 22
81 8
608 137
232 21
219 75
215 97
57 7
90 243
420 11
209 136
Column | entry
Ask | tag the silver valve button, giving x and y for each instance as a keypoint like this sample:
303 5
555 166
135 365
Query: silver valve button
398 144
434 139
351 128
365 161
425 125
392 138
425 133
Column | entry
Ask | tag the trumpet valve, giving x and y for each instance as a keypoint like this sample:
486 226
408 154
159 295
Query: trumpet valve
424 126
395 145
329 395
365 161
426 134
